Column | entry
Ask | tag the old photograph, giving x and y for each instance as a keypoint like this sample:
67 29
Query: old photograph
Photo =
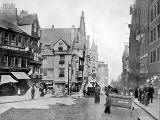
79 59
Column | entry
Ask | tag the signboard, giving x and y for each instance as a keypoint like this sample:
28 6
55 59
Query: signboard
121 101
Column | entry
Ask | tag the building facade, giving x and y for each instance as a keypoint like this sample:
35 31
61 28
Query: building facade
63 52
15 49
125 67
154 38
102 74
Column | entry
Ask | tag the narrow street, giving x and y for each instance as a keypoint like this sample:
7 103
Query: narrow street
64 109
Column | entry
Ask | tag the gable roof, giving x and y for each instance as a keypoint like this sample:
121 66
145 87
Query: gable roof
27 19
9 25
52 35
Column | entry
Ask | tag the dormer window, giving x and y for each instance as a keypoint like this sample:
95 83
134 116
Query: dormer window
60 48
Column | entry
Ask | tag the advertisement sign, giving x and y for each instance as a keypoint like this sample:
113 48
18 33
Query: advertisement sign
121 101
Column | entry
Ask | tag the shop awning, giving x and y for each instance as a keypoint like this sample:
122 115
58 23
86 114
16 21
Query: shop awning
7 79
20 75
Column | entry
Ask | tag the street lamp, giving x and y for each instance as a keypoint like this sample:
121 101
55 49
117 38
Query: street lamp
69 65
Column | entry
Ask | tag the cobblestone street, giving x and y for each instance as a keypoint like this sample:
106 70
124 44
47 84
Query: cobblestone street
83 109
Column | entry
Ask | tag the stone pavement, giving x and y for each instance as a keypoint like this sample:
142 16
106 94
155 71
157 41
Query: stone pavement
152 109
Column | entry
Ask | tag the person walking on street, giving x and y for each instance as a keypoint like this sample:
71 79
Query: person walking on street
32 92
151 92
107 104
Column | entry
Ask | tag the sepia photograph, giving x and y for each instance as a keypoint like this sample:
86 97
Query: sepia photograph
79 59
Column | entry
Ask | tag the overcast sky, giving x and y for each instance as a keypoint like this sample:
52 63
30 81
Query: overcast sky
106 22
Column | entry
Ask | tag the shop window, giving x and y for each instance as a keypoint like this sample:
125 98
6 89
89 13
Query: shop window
6 61
19 62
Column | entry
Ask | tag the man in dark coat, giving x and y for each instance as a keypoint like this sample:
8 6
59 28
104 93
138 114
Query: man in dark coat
151 92
107 104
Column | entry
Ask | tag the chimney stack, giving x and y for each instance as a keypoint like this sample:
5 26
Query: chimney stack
52 26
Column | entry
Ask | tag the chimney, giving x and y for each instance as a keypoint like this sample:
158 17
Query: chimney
52 26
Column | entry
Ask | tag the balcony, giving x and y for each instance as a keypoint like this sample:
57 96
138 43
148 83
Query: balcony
61 62
81 67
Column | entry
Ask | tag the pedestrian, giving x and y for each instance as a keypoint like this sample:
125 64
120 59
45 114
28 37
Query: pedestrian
107 104
84 92
97 97
151 92
136 93
32 92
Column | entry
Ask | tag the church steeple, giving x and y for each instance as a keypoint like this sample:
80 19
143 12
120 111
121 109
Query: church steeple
82 24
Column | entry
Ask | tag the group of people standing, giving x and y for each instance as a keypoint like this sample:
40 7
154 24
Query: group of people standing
42 90
145 94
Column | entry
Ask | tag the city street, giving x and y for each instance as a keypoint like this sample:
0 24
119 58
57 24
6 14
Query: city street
66 109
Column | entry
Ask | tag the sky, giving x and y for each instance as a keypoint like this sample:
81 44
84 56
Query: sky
106 22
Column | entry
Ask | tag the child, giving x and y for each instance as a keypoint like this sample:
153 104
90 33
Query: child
107 104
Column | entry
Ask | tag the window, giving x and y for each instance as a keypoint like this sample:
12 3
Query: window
158 54
6 61
151 35
60 48
154 30
61 72
158 30
62 59
25 43
13 39
151 15
12 64
155 11
20 41
45 72
19 62
151 56
154 56
6 38
25 62
158 7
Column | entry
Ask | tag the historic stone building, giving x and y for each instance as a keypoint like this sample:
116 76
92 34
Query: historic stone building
125 66
63 52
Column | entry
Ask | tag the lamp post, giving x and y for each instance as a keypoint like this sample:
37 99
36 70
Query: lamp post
69 65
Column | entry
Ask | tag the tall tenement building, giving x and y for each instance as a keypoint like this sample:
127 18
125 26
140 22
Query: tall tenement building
144 42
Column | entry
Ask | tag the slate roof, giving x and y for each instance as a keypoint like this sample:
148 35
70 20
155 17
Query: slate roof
52 35
28 19
9 25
